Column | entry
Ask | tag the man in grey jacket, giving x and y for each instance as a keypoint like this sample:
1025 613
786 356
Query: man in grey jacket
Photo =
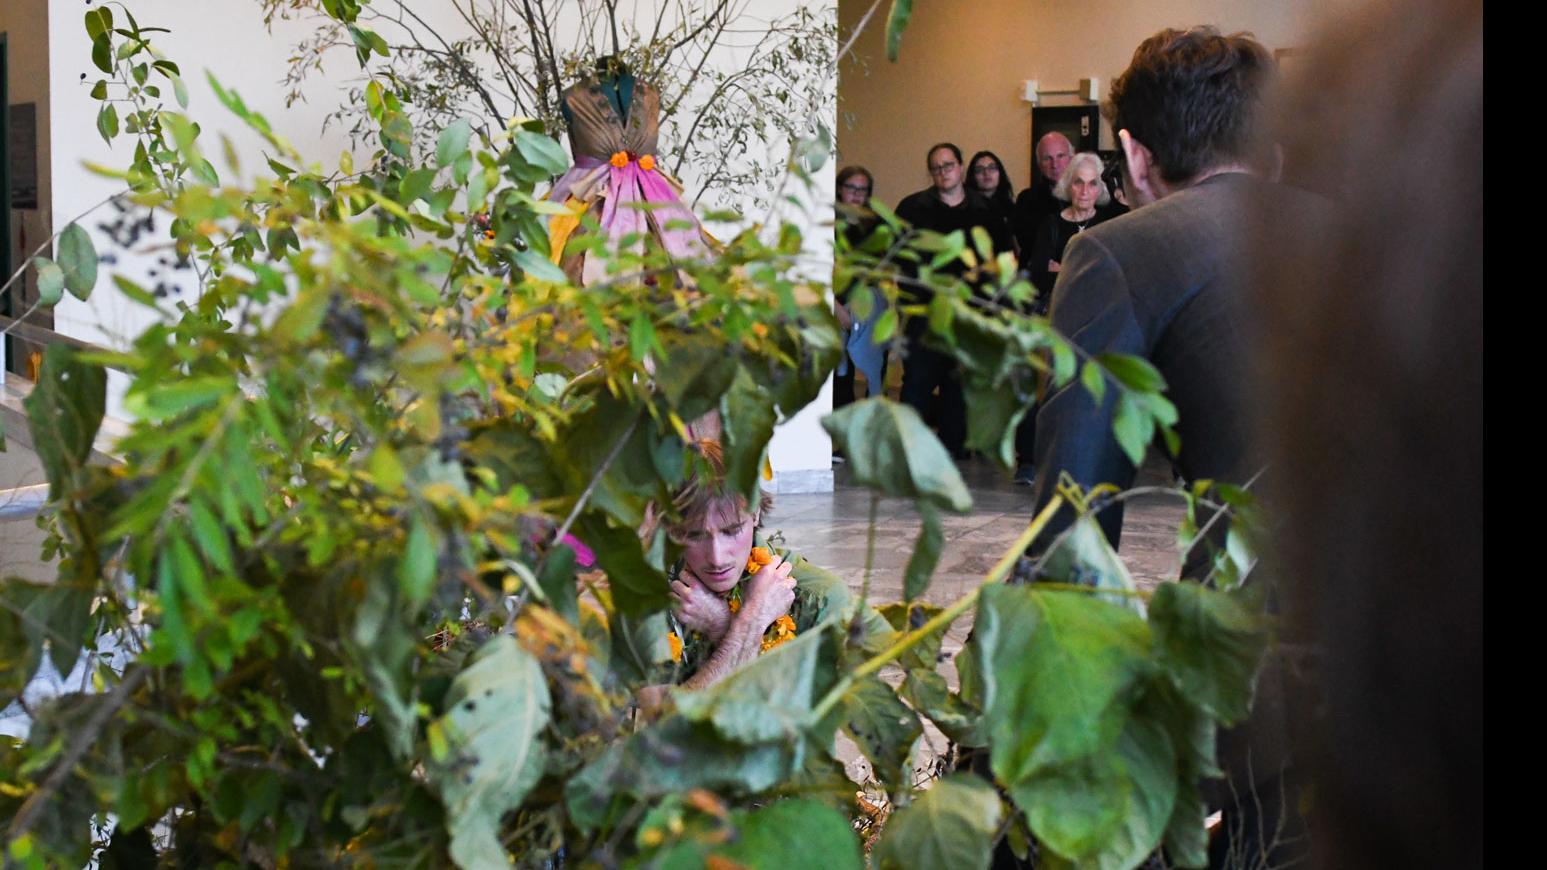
1169 282
1166 281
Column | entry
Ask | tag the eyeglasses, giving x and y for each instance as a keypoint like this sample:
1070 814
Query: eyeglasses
940 168
985 168
855 188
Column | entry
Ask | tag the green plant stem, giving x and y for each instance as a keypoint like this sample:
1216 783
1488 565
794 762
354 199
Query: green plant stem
942 619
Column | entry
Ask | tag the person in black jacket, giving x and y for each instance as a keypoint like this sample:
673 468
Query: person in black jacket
986 176
946 206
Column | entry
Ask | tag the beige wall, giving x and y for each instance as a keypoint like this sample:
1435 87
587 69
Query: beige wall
25 23
959 74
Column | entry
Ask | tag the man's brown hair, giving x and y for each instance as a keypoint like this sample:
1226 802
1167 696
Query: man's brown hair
1192 98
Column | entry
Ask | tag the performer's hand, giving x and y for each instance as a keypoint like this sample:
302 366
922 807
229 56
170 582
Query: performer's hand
699 609
769 594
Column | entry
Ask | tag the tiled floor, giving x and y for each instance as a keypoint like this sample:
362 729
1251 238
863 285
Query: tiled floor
831 529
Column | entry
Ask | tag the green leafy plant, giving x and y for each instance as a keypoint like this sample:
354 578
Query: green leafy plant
339 543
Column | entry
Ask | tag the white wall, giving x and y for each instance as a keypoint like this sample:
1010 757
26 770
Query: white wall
228 39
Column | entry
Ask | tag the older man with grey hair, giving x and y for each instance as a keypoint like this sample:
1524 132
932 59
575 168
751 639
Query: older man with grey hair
1035 203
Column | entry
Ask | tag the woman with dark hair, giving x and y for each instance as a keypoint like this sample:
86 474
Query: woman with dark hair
986 176
857 223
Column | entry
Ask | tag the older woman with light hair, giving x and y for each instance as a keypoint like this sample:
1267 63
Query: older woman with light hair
1084 191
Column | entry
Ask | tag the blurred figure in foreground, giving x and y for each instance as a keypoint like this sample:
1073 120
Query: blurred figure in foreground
1372 366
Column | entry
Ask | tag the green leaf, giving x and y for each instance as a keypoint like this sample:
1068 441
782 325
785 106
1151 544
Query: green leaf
950 827
1086 559
927 692
641 337
884 728
496 711
98 22
174 397
1210 642
542 152
64 412
452 142
78 259
926 553
557 581
764 837
1134 372
996 414
107 122
58 612
1060 673
890 449
1132 427
397 134
50 281
637 586
694 372
747 420
210 536
650 764
415 184
537 266
1094 380
102 52
896 23
416 569
766 700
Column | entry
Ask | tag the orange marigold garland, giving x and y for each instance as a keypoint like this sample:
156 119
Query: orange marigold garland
676 646
782 631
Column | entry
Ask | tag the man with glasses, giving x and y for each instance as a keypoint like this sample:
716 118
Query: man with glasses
945 207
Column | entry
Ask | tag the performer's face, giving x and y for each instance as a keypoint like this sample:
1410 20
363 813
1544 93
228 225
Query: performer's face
716 547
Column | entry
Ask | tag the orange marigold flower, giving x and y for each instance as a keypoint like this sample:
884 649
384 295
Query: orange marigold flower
760 330
734 604
619 159
785 624
676 646
763 555
647 162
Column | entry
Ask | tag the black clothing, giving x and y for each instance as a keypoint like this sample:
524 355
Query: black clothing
927 370
1049 243
1032 207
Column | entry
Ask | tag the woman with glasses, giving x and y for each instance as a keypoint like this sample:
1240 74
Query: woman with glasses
857 222
987 177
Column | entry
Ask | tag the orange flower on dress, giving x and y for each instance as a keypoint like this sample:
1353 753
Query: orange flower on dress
676 646
619 159
647 162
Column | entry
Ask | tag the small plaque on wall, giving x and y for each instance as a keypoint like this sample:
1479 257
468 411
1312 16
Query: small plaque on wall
23 153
